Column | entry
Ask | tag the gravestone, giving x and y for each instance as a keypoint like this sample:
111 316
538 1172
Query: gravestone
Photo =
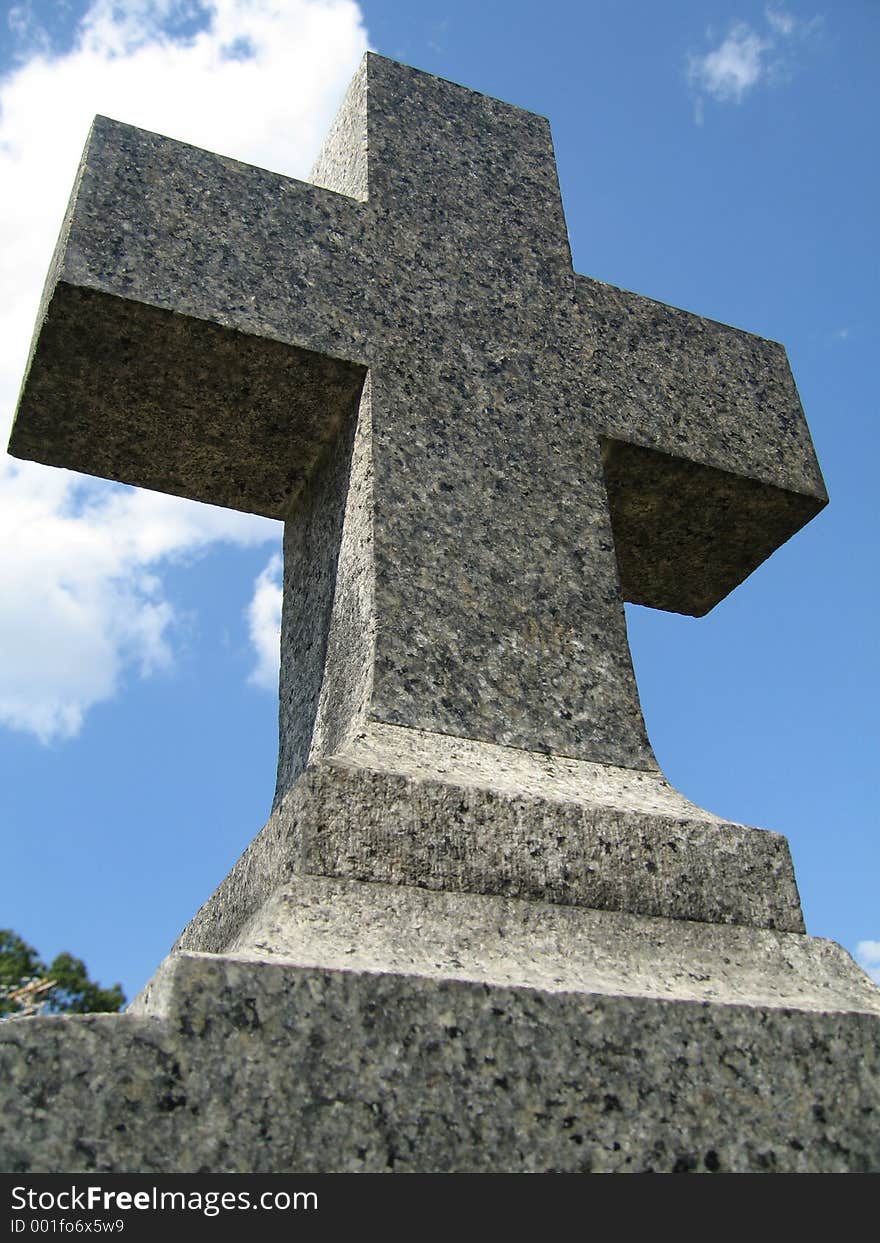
479 930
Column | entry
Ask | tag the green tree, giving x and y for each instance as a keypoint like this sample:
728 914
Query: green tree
28 986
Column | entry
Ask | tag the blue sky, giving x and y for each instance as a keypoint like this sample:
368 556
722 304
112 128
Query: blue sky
717 156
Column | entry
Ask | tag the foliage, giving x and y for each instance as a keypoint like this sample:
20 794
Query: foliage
28 986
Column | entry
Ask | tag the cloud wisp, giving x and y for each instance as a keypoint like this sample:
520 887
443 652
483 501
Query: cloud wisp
264 625
729 71
81 561
745 58
868 958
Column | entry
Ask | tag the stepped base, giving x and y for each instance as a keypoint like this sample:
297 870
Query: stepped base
399 1029
406 808
445 956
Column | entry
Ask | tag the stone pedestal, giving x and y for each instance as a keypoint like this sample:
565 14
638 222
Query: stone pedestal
325 1012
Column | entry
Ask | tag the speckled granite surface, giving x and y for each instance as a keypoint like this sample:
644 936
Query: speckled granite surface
480 931
351 925
591 847
276 1067
208 328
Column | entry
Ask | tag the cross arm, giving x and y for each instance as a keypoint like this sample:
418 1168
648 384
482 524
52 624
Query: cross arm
200 331
708 460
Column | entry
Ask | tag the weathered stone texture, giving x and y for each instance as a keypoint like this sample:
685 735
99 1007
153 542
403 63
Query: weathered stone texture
259 1067
506 397
370 825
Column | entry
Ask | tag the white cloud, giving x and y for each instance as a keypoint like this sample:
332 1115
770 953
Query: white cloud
25 28
780 21
731 70
81 588
81 561
868 958
746 58
264 625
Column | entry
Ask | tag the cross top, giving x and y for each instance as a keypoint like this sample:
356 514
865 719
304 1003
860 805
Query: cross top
479 454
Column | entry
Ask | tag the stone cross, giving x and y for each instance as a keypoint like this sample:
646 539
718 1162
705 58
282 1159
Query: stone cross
478 931
478 453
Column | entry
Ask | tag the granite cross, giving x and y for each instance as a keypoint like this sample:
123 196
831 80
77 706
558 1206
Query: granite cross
479 932
479 454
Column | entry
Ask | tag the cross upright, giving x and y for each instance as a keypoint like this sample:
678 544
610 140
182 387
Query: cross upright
478 454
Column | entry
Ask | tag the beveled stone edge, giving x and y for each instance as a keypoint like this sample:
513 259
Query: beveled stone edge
823 981
423 754
370 825
353 925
